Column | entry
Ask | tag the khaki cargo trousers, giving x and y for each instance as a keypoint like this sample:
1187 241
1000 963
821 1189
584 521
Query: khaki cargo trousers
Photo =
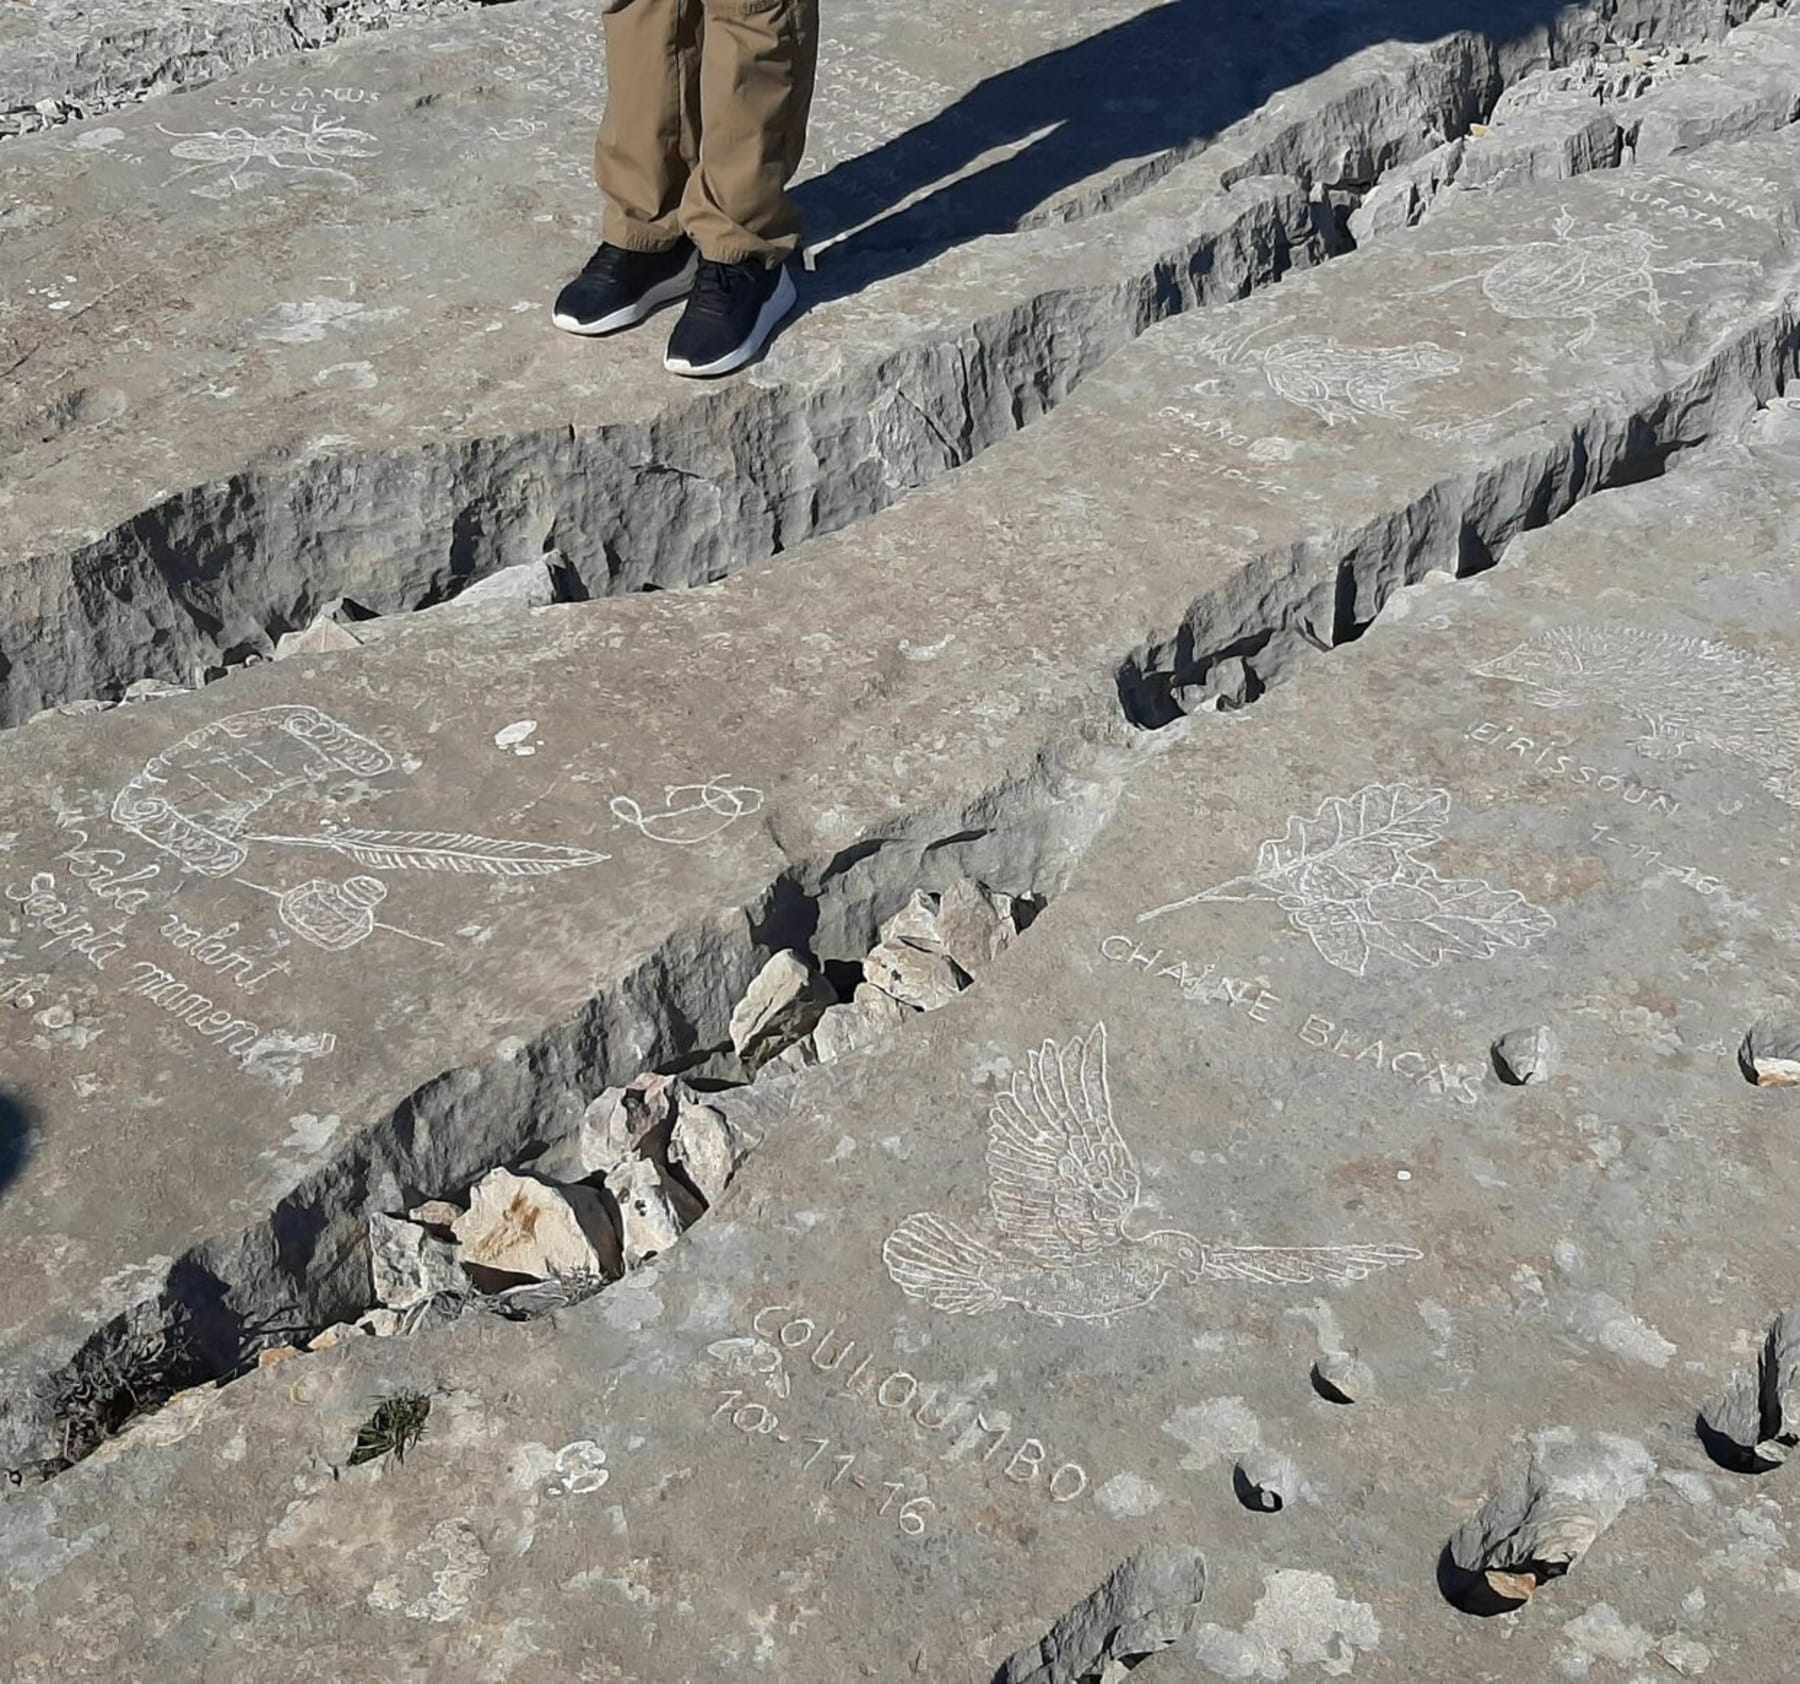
705 124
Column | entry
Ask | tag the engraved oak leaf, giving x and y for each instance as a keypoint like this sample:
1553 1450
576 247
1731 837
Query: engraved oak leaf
1351 877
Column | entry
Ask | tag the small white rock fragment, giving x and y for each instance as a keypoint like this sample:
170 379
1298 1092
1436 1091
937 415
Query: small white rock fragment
649 1221
521 1226
1267 1479
382 1323
915 922
1686 1656
149 690
1526 1056
527 585
323 637
1771 1053
802 1055
975 924
781 1006
869 1014
603 1140
438 1214
408 1265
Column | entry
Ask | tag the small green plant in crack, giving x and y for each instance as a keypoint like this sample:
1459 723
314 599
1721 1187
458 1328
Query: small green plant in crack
397 1424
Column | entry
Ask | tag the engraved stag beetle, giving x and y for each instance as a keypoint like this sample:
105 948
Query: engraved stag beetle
316 149
1063 1194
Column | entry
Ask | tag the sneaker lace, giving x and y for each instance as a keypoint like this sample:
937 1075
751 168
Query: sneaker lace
716 285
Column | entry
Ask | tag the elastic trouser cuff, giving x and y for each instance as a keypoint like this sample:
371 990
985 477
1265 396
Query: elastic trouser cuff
770 256
638 236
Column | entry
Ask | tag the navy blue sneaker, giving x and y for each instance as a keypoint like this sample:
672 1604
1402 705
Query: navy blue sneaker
619 288
730 314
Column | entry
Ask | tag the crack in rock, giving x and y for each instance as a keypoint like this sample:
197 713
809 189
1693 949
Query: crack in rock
218 571
1148 1603
1755 1425
1543 1518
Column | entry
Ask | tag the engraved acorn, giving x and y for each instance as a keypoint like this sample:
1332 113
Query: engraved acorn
331 915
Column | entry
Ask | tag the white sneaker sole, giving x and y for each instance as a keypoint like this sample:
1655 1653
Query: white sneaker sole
780 302
666 292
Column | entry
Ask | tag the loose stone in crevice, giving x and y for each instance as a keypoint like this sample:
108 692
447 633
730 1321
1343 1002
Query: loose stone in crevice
649 1158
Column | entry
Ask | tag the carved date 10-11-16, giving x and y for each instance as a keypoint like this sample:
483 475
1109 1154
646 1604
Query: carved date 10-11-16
843 1468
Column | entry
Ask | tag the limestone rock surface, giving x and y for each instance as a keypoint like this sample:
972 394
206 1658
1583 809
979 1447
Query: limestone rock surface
518 1225
408 1264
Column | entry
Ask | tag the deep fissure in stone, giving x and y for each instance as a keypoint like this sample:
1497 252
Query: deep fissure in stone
217 573
304 1268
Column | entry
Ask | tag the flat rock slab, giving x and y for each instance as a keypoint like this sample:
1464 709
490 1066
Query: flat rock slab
337 280
990 1311
274 968
62 59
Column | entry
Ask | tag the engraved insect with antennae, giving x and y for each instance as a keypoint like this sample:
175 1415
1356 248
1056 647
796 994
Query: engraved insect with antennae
316 150
1576 276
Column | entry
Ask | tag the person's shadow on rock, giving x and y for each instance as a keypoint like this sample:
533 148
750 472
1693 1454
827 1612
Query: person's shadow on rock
18 1125
1149 91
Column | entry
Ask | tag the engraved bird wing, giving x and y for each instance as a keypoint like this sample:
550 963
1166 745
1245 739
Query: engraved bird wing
1061 1181
1295 1265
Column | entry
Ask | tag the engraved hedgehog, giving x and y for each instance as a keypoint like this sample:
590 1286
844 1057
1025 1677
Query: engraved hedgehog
1337 382
1687 690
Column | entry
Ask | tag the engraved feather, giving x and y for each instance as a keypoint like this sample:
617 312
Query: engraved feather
443 850
1294 1265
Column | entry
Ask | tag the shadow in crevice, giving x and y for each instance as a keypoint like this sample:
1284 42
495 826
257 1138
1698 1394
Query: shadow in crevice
18 1131
1127 103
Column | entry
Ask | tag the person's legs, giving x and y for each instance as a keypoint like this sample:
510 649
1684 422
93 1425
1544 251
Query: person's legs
649 136
757 64
648 144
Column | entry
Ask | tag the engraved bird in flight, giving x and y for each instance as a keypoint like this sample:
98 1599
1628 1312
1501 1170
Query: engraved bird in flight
1062 1190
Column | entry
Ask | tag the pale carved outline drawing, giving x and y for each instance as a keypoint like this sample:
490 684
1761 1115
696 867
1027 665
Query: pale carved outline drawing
318 149
580 1468
196 801
1688 691
1063 1191
691 813
1351 878
1573 277
1337 382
